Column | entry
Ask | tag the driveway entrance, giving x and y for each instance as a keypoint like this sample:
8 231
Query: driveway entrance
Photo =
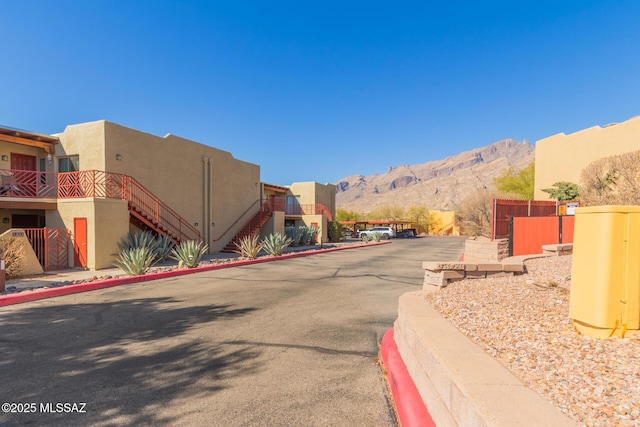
286 343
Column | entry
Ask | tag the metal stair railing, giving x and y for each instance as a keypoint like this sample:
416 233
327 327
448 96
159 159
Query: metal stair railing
143 202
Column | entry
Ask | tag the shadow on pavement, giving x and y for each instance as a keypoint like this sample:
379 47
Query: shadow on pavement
123 359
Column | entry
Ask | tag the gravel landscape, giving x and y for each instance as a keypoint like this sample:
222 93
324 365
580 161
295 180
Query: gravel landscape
523 322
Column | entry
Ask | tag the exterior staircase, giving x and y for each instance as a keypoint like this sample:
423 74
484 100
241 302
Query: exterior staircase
252 226
146 210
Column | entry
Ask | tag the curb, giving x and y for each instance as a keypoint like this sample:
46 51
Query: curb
410 408
39 294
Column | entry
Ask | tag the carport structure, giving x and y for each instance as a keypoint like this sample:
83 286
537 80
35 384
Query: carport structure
354 226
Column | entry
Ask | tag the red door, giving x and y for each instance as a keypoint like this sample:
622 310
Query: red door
24 169
80 243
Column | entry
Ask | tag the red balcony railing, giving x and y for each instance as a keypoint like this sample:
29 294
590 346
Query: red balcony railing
118 186
32 184
310 209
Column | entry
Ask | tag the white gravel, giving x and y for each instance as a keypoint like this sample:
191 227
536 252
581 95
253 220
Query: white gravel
523 321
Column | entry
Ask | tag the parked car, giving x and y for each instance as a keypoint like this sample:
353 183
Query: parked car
386 232
409 232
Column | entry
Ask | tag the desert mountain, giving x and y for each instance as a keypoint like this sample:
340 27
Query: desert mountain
439 185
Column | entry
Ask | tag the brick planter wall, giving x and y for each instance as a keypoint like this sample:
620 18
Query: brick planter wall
479 249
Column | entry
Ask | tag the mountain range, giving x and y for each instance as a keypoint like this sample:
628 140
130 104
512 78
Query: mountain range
439 185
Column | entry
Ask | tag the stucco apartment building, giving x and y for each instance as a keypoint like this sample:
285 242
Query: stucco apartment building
563 157
100 180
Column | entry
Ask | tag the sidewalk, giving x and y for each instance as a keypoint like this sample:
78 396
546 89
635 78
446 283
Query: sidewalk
63 282
77 275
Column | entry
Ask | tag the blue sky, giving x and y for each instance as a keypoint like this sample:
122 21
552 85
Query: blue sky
319 90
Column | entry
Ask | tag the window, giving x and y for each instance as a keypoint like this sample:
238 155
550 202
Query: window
69 164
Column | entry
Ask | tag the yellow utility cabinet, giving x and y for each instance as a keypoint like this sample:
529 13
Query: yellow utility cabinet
605 278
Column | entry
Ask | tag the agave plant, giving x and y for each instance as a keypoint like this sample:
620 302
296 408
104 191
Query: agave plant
313 232
377 236
189 253
164 246
276 243
139 239
135 261
248 247
295 234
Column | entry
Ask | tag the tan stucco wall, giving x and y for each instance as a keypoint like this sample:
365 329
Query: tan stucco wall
107 223
6 148
446 222
32 265
174 169
85 140
6 213
312 193
563 157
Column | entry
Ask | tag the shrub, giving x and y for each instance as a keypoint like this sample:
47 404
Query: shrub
135 261
377 236
473 214
189 253
563 191
248 247
12 252
335 231
275 244
612 181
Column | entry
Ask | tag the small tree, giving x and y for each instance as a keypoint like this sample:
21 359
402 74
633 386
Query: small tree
386 212
563 191
419 215
345 215
520 183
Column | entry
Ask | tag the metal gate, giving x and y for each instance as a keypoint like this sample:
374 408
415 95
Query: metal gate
51 246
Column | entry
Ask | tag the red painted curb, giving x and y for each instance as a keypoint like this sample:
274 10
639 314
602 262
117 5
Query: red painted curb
412 412
39 294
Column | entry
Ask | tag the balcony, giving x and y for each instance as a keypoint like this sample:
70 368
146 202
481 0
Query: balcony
20 189
294 210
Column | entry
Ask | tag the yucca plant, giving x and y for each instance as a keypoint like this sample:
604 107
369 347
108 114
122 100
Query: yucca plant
135 261
276 243
189 253
248 247
377 236
295 234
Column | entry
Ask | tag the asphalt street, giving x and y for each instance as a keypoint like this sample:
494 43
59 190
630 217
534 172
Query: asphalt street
286 343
